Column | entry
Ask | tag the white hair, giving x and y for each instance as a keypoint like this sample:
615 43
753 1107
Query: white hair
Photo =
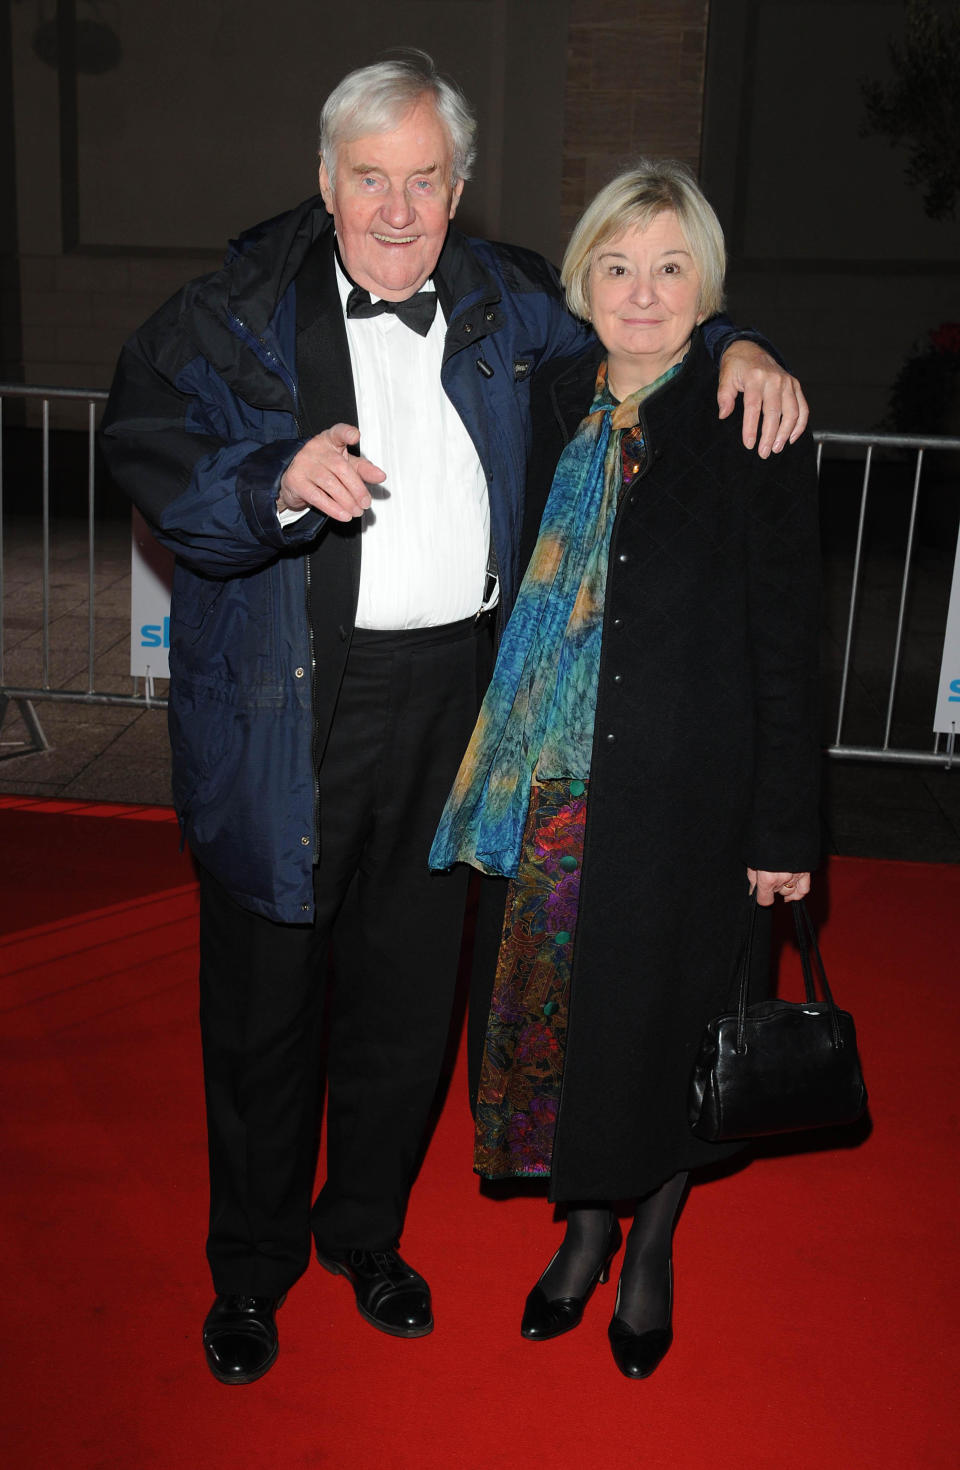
375 99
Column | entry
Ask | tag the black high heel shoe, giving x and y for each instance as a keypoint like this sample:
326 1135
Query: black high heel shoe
543 1318
637 1354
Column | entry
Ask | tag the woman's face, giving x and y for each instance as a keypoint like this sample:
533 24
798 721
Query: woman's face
644 301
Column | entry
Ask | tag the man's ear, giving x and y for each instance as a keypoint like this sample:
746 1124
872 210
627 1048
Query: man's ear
454 199
326 187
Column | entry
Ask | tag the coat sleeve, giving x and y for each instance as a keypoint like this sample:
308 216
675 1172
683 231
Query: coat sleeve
783 619
719 331
204 475
566 335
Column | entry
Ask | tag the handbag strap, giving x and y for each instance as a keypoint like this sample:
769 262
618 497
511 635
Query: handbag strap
744 973
806 942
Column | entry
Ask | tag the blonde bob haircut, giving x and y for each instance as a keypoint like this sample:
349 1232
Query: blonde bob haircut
634 198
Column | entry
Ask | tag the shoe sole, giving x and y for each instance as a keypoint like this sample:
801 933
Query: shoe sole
240 1379
337 1270
549 1336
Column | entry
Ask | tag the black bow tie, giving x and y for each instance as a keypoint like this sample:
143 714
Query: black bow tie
417 312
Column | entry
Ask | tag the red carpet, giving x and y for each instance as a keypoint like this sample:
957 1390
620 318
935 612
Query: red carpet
82 855
816 1290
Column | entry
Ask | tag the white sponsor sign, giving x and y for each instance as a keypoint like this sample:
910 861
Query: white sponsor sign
151 577
947 717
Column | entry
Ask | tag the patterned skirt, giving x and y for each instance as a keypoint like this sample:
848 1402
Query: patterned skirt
522 1070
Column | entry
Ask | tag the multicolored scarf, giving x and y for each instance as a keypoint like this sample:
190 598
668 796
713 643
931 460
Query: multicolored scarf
538 714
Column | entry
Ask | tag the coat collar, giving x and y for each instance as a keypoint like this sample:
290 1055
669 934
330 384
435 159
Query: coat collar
259 267
229 313
264 260
572 388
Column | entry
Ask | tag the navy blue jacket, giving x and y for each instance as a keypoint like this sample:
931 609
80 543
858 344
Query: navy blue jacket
204 416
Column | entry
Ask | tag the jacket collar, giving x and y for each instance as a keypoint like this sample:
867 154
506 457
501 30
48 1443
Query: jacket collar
573 389
261 264
469 295
229 313
264 260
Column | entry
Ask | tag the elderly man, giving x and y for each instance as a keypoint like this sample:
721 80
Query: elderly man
330 433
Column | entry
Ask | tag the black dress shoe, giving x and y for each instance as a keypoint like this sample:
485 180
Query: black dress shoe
544 1318
636 1354
390 1294
240 1337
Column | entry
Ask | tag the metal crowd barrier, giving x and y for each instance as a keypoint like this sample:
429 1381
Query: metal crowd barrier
942 751
26 697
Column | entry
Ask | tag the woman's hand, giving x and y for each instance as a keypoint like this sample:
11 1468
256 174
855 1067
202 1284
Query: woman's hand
745 368
790 886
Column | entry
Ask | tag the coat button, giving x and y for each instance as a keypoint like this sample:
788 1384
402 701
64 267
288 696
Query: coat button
561 937
624 556
468 327
576 788
305 908
298 673
618 622
304 841
618 678
568 864
610 738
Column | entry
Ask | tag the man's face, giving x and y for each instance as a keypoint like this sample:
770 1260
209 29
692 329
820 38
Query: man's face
393 201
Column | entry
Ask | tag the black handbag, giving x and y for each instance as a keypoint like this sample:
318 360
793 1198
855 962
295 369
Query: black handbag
778 1065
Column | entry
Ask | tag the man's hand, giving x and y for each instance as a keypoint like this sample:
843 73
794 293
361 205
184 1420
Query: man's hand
745 368
790 886
325 476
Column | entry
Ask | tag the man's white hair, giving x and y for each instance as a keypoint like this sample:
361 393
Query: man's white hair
375 99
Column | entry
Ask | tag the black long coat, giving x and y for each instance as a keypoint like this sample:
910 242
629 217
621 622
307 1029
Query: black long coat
705 760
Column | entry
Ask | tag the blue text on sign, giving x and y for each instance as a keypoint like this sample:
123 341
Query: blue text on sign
152 635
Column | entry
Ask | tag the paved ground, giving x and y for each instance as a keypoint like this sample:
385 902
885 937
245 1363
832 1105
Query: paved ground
98 752
120 754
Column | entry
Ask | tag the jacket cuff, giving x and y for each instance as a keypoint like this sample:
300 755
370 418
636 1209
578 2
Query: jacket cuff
723 334
258 485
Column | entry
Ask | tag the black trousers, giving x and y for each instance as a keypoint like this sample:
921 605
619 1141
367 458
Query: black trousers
404 715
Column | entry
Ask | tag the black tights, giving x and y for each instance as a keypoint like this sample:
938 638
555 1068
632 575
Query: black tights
644 1293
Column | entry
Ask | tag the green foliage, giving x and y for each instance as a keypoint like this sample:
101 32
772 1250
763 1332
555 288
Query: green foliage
921 106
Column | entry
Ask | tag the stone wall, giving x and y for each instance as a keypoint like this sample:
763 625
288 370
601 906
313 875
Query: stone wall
634 85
